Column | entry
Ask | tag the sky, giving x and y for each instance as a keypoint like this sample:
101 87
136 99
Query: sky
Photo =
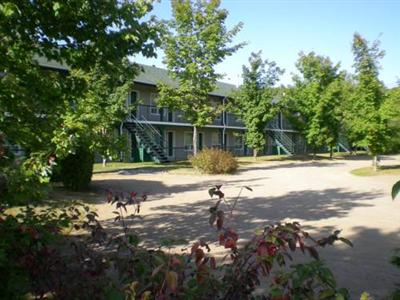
283 28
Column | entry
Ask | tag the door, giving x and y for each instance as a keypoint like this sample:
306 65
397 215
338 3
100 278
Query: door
133 102
170 143
200 141
170 116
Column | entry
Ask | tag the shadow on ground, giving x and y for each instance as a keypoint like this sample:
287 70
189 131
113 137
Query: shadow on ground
190 221
290 165
365 267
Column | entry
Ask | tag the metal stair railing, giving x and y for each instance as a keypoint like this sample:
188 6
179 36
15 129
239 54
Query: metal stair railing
342 143
153 130
145 124
283 139
151 133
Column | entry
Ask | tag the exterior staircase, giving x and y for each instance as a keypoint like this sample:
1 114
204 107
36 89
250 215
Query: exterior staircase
149 137
343 144
281 139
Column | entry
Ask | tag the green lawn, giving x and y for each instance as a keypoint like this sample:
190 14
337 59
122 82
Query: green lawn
384 170
184 166
116 166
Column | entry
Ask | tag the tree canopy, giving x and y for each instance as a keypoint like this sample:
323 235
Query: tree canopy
65 75
255 102
368 120
91 39
315 99
197 42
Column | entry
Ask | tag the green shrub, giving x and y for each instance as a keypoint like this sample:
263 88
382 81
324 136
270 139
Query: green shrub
77 169
25 181
214 161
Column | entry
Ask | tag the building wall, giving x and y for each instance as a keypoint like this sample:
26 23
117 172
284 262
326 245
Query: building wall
147 110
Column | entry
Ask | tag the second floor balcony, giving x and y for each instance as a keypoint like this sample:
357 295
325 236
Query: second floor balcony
158 115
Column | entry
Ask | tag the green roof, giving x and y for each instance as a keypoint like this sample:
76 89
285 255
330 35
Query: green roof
153 75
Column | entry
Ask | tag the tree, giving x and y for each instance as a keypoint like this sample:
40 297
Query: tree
315 99
98 111
368 118
391 109
38 106
255 101
197 42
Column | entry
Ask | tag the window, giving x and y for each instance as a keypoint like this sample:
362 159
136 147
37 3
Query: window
216 138
238 141
188 141
154 110
134 96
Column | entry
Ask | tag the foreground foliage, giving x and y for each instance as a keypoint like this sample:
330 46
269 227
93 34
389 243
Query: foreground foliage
34 259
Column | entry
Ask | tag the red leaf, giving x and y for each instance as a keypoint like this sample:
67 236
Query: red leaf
230 243
222 239
262 250
232 234
219 194
175 261
199 255
213 263
195 247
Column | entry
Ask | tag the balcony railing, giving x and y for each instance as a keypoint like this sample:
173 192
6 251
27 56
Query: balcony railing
153 113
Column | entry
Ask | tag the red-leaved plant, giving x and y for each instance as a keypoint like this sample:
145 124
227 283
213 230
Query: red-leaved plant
118 266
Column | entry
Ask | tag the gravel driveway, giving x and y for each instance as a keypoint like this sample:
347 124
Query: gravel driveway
321 195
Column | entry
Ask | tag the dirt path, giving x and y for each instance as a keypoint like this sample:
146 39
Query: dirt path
321 195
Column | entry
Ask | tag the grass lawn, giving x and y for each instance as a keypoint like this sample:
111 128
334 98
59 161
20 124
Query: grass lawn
185 166
116 166
384 170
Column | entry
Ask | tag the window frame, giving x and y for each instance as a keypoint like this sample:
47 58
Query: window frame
153 104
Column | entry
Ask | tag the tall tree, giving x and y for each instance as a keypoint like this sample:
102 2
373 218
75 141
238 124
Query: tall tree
315 99
368 118
197 42
391 110
254 101
37 104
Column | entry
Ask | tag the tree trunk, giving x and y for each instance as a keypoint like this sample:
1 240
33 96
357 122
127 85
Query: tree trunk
255 153
195 140
104 161
375 162
314 153
331 152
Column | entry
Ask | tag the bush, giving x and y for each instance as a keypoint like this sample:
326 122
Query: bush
25 181
77 169
214 161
